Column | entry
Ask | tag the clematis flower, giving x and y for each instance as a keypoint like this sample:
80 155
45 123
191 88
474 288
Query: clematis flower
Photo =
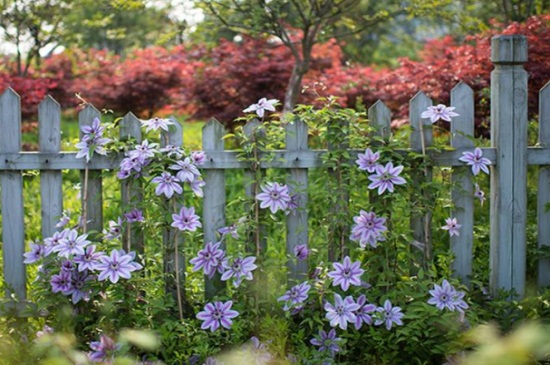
104 350
117 265
295 296
167 185
35 254
341 312
479 194
389 315
186 170
71 244
363 314
452 226
239 269
368 229
346 273
386 177
327 341
209 258
274 196
217 314
186 220
476 160
438 112
261 106
156 124
301 252
368 161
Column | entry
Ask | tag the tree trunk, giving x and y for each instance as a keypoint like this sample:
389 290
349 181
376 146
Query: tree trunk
294 86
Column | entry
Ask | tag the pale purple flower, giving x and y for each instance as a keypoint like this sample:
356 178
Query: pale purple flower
452 226
117 265
216 314
296 296
274 196
67 265
186 170
368 229
143 151
167 185
208 258
196 187
458 301
363 314
45 331
92 141
186 220
78 291
476 160
63 221
301 252
479 194
389 315
327 341
71 244
53 241
135 215
156 124
61 282
35 254
115 230
94 129
262 105
293 204
104 350
438 112
239 269
89 260
442 296
341 312
368 160
212 361
346 273
172 150
198 157
386 177
231 230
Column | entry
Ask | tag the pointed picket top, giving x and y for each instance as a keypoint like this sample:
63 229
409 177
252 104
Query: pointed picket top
544 116
250 127
462 126
10 121
87 115
212 135
418 104
130 126
49 125
296 135
174 136
380 119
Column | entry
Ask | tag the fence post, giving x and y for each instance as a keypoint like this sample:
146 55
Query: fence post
543 215
508 176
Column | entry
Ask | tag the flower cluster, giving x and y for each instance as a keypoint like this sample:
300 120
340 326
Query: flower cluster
92 140
446 296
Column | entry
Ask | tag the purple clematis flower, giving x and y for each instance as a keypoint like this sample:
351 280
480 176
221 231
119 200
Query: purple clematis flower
479 194
172 150
63 221
186 220
296 296
186 170
196 187
156 124
438 112
104 350
36 253
452 226
389 315
239 269
61 282
363 314
209 259
198 157
301 252
368 160
341 312
476 160
78 291
274 196
368 229
143 151
115 230
117 265
327 341
135 215
167 185
89 260
216 314
346 273
386 177
261 106
442 296
71 244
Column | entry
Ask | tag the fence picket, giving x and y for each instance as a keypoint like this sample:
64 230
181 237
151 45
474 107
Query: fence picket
543 199
380 118
214 197
92 189
130 127
297 222
421 138
462 127
51 189
13 234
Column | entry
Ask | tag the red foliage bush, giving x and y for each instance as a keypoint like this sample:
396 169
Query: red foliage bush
31 89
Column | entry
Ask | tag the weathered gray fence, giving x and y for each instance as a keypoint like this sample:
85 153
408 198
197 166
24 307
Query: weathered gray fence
508 153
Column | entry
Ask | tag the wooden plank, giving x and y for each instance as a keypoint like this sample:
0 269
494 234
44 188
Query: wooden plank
51 189
13 234
420 139
380 119
462 127
509 175
92 190
174 259
130 128
213 217
543 198
297 221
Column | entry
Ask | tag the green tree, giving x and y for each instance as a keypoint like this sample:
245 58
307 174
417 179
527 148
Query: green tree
300 24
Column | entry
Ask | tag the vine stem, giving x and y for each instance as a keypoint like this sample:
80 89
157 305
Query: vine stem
177 268
129 227
85 201
427 249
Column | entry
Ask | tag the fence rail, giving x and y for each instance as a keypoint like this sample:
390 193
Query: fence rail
508 153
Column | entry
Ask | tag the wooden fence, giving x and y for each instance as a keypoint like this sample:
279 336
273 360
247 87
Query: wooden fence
508 153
